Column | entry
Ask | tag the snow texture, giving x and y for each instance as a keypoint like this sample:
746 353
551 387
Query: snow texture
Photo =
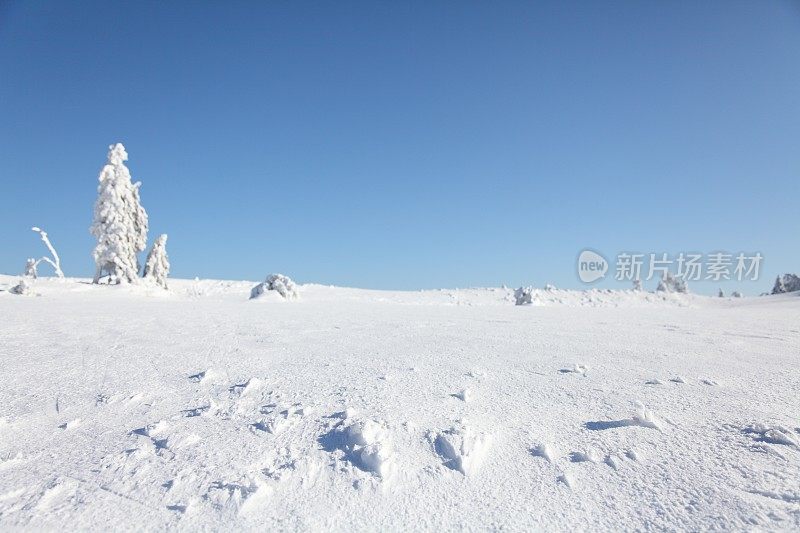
134 408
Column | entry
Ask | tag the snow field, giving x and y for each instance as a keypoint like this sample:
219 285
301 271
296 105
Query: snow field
362 410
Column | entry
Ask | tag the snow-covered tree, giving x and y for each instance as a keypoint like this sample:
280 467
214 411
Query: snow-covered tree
283 285
55 262
721 294
670 283
157 265
120 221
786 283
680 285
791 282
779 287
523 296
637 285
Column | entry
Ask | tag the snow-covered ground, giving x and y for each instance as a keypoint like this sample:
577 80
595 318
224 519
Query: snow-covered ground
127 408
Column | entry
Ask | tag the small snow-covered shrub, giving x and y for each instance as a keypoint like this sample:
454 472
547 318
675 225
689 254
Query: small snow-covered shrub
786 283
523 296
283 285
30 268
637 285
23 288
670 283
736 294
721 294
157 265
32 265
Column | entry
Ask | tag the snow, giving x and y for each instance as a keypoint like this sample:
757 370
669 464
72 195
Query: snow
280 284
384 410
23 288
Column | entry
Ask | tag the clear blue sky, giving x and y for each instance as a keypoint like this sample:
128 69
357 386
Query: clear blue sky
406 144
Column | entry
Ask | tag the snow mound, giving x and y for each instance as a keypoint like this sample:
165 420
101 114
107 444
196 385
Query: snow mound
23 288
590 455
283 285
464 395
773 434
462 448
205 376
246 388
577 368
279 420
646 418
365 444
542 450
642 417
567 480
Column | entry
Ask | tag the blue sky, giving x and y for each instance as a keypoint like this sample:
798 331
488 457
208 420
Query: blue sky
406 145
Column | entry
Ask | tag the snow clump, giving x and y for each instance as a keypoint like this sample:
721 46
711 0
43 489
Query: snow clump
462 448
23 288
523 296
283 285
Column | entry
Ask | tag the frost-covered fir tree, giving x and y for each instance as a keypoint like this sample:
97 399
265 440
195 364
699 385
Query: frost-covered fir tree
120 221
670 283
157 265
786 283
